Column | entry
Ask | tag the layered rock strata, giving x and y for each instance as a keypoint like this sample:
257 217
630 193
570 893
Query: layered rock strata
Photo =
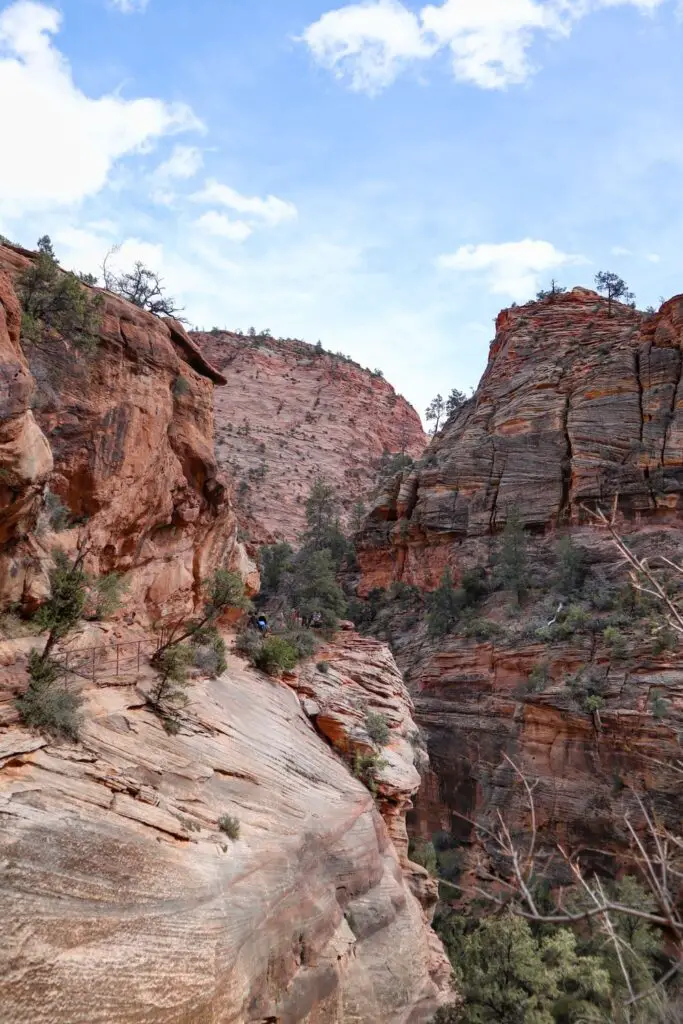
579 404
289 413
120 441
125 901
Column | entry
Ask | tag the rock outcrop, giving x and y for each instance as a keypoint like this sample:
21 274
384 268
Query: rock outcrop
120 441
289 413
579 404
124 901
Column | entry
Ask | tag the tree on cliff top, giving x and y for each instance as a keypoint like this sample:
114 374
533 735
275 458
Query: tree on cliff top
455 401
141 286
552 292
435 411
614 288
55 301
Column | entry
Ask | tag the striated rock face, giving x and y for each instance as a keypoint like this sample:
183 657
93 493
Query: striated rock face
288 414
123 901
124 439
576 406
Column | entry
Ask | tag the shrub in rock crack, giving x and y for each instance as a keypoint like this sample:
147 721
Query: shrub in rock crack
46 705
230 826
377 728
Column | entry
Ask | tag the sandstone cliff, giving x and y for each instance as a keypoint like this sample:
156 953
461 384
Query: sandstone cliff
289 413
121 441
123 901
576 406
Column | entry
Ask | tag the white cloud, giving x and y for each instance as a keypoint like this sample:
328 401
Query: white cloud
271 210
69 141
512 268
618 250
184 162
130 6
653 257
370 42
222 226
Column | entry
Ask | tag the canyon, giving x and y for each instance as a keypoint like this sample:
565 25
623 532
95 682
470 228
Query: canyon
580 405
125 897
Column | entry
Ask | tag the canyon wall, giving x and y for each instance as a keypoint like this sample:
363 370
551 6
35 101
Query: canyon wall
120 441
289 413
124 901
579 404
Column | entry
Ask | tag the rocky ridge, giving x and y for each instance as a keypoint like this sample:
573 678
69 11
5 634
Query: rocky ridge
122 441
289 413
124 900
577 405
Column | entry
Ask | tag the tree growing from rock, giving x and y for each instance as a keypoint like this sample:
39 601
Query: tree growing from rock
513 557
455 401
434 413
552 292
56 302
323 530
614 287
141 286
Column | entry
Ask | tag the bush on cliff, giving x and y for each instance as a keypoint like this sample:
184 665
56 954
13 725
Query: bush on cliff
512 563
275 655
57 302
377 728
506 973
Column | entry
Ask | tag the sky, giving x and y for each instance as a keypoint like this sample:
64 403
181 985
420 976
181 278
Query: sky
381 176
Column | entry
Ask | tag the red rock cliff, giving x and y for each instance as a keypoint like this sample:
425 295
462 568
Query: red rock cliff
288 414
124 439
576 406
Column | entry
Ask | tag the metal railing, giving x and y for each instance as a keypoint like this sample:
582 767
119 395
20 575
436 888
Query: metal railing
120 660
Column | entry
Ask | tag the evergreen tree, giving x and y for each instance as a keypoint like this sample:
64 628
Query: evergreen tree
358 513
435 411
444 606
314 588
512 560
614 288
276 560
323 531
455 401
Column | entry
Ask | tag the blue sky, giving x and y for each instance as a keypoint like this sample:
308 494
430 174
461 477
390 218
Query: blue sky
383 176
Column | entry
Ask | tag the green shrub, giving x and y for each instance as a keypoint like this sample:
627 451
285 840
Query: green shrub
275 561
106 594
248 642
572 567
276 655
660 707
664 639
181 386
68 595
539 677
209 652
377 728
323 666
616 642
594 702
444 606
230 826
47 706
58 514
366 767
57 302
168 693
422 852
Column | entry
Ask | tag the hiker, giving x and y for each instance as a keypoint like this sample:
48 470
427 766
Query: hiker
316 620
262 624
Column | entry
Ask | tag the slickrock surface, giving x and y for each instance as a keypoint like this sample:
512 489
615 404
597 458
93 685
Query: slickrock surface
123 902
289 414
574 407
124 439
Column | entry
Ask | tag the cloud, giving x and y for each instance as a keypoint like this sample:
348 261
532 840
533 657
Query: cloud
512 268
653 257
489 40
184 162
220 225
130 6
369 42
271 210
618 250
69 141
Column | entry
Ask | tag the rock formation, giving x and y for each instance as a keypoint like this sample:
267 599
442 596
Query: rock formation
579 403
122 440
124 901
289 413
